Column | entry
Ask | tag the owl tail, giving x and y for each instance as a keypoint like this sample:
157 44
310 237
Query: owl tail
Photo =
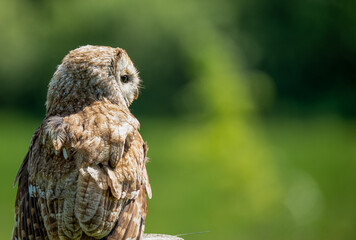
131 222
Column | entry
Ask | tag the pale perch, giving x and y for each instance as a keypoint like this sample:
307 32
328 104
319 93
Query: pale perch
151 236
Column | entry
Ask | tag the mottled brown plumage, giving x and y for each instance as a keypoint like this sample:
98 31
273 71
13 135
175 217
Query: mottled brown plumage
84 176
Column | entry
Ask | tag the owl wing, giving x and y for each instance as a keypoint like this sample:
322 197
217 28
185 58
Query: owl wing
111 159
28 220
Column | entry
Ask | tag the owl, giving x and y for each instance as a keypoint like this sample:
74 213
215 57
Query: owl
84 176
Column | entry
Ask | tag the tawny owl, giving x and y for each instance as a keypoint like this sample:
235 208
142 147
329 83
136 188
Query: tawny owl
84 176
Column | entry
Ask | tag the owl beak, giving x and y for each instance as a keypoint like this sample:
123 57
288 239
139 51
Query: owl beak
136 95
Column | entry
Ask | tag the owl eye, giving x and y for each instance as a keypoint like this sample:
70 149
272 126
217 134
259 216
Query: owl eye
124 78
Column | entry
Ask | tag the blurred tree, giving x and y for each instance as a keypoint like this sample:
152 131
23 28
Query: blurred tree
307 47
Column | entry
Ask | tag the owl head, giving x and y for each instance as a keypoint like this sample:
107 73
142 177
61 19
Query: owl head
92 73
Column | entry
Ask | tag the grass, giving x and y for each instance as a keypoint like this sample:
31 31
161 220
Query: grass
312 159
322 149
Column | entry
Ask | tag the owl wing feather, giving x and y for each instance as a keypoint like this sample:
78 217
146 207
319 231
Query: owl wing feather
28 220
84 177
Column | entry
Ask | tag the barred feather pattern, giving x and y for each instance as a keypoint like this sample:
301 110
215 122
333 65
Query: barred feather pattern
84 176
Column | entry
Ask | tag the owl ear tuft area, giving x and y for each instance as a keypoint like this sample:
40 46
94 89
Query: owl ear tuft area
118 53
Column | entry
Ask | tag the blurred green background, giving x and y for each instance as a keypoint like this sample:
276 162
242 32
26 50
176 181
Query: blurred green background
248 107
